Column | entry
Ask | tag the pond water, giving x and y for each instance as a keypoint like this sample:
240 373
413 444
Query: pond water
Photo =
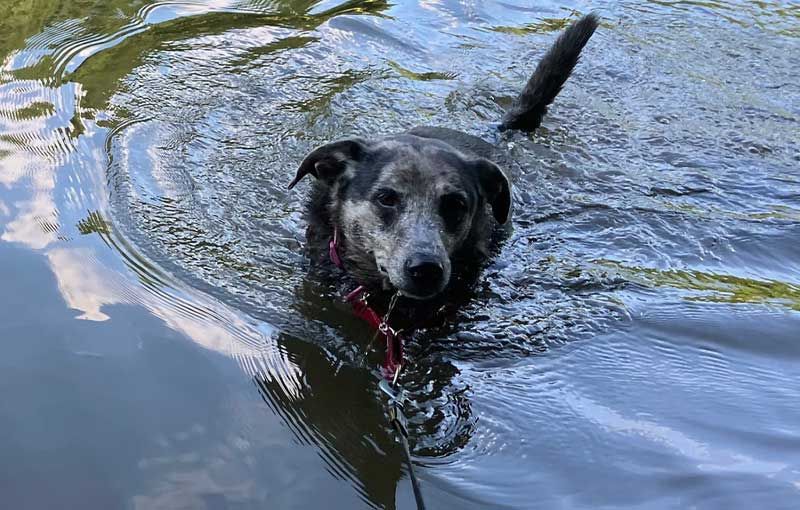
634 344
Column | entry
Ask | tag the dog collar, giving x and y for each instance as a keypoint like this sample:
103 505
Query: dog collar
333 249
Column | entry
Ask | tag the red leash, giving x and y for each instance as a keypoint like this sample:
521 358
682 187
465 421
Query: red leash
357 298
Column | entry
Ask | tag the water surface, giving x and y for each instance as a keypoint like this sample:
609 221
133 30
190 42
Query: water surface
635 343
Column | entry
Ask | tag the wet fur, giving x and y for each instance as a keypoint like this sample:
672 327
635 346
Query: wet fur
328 206
425 164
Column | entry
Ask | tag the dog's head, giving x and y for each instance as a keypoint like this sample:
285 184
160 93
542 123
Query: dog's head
406 205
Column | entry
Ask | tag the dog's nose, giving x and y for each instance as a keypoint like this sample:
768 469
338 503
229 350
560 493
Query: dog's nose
424 270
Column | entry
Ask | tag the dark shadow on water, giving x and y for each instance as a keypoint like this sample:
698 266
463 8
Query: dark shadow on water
340 409
339 413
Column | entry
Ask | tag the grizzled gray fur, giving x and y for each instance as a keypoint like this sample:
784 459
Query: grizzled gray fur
409 207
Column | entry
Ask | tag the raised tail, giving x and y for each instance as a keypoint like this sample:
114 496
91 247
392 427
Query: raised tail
552 72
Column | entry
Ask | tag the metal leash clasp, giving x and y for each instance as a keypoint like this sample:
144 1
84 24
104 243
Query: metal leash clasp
394 397
397 402
384 328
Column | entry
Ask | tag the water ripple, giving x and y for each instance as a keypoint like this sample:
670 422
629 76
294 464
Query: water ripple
638 326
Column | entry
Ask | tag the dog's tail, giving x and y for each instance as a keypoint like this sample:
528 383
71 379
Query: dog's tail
552 72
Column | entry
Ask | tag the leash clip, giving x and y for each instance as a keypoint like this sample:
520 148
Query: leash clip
397 404
385 329
398 398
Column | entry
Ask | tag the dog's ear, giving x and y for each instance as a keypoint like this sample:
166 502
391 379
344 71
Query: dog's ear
495 188
328 163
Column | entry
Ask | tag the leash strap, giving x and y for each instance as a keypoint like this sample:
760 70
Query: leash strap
403 433
392 364
400 424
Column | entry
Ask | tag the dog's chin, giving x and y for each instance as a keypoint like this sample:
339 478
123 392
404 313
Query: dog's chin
417 294
418 297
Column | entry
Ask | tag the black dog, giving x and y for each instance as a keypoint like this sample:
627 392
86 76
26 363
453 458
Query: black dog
409 209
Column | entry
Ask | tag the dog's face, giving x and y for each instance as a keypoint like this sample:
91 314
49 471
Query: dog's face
405 205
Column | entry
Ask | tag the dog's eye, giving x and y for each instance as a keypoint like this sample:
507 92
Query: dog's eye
453 208
387 198
453 202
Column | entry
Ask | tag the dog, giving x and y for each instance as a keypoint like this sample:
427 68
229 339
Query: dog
410 210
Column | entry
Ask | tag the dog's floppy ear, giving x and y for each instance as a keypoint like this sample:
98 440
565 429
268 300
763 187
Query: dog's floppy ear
495 188
328 163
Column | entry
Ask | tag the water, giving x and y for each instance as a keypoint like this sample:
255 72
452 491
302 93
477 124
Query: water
635 344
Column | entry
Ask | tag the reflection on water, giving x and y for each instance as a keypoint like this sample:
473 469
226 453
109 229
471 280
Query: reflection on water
637 330
717 288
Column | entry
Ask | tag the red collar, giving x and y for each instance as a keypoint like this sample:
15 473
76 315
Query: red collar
357 298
